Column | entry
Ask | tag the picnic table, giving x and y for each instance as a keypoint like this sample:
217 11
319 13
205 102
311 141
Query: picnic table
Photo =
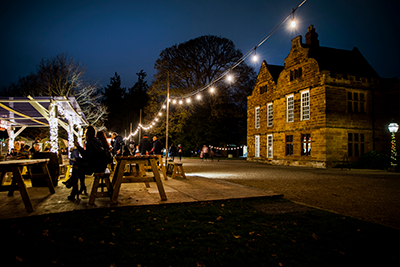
16 166
120 176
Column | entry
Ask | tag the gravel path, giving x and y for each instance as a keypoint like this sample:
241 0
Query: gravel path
370 195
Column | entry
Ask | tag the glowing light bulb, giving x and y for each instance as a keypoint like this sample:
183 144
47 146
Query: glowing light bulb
293 24
174 101
198 96
188 100
212 89
180 102
230 78
163 107
255 58
159 114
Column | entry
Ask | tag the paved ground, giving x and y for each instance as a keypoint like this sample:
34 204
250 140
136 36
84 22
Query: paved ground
370 195
365 194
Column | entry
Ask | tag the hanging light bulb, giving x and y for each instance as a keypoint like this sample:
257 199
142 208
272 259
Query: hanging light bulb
174 101
212 89
255 58
159 114
180 102
188 100
163 107
293 24
198 96
230 78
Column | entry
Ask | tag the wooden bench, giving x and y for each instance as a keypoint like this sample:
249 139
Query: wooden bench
176 169
100 180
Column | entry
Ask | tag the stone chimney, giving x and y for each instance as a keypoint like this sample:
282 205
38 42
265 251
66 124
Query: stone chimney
312 36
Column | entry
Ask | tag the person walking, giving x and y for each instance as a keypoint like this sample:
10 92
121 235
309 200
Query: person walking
180 152
157 146
205 152
144 145
172 151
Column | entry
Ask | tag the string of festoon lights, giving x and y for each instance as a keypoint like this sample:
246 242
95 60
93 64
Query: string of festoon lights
225 148
211 86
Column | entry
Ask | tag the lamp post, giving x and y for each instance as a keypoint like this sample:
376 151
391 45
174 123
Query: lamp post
393 127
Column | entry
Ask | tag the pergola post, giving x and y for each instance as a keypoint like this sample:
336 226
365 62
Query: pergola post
53 121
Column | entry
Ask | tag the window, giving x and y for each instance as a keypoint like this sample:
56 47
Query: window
257 118
270 114
295 74
306 144
355 102
257 146
289 145
290 108
305 105
263 89
356 145
269 146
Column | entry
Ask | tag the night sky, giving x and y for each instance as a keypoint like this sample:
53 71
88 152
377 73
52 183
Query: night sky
128 36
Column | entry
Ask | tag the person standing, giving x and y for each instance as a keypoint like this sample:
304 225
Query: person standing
118 144
180 152
157 146
144 145
172 151
205 152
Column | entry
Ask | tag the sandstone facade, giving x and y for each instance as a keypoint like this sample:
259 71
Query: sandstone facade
323 106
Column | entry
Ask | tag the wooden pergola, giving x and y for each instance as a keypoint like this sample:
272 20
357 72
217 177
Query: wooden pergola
18 113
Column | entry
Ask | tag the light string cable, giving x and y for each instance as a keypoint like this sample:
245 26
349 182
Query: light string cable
226 72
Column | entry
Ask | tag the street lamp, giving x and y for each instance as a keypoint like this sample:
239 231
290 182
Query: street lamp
393 127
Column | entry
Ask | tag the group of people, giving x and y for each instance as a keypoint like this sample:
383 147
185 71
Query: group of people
175 152
98 153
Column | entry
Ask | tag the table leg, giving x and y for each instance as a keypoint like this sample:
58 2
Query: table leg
22 189
48 178
158 179
117 180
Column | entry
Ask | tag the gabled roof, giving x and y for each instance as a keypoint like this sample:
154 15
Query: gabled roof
274 70
339 61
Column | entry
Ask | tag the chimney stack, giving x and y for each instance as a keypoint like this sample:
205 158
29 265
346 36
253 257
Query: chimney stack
312 36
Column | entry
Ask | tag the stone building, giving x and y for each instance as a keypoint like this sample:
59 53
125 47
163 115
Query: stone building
322 107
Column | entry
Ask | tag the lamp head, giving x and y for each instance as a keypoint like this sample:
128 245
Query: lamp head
393 127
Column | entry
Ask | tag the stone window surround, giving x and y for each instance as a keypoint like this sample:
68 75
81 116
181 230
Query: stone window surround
270 114
290 109
257 117
305 113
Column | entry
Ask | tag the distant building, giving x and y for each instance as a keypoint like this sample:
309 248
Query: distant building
323 106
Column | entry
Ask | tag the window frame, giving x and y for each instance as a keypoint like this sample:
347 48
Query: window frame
289 145
306 145
270 114
305 112
270 146
287 108
257 118
257 146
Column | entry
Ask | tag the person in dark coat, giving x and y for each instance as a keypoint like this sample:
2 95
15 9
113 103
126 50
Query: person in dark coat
118 144
172 151
144 145
157 146
92 161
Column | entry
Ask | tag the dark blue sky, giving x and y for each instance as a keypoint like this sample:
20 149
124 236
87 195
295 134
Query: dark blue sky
127 36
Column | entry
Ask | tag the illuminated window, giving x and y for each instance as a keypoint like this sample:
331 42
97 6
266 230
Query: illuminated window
257 118
270 113
306 144
257 146
356 145
289 145
305 105
269 146
290 108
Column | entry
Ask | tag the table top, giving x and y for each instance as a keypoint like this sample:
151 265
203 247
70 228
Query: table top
23 162
138 157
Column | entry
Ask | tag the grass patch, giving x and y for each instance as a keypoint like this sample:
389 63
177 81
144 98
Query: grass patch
218 233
